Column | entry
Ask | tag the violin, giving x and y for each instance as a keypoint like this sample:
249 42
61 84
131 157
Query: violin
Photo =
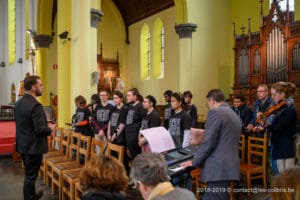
262 118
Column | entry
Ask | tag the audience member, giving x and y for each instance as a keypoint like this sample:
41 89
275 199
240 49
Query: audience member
168 109
103 179
218 155
150 176
192 109
242 110
286 185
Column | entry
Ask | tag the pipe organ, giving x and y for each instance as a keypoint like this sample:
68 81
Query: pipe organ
268 56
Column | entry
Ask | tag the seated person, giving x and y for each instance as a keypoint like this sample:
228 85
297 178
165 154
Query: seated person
288 185
150 176
103 179
242 110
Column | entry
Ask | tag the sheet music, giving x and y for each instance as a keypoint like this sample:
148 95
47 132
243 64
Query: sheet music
159 139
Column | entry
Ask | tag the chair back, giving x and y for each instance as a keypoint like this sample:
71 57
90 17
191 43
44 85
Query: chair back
257 150
116 151
97 143
84 148
74 144
57 138
65 141
242 148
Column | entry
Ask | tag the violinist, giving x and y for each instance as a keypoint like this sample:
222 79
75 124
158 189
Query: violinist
262 103
281 122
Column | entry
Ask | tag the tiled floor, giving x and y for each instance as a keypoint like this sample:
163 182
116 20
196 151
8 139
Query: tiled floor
12 175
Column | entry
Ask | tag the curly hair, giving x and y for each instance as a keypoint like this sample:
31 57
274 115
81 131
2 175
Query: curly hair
104 173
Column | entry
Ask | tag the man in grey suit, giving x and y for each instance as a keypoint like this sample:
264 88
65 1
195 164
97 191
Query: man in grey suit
32 132
218 155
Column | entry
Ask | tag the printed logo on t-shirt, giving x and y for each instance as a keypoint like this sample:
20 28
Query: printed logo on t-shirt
102 115
114 119
167 113
129 118
174 126
79 116
144 124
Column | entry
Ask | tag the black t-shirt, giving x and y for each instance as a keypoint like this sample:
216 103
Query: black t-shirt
178 123
133 122
118 116
82 114
102 116
167 114
151 120
193 112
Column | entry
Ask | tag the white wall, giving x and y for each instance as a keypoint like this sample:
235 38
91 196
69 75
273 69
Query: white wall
14 73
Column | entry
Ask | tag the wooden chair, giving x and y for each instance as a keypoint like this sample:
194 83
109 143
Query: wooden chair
58 169
71 177
196 183
115 151
67 145
97 143
60 151
257 148
242 147
78 191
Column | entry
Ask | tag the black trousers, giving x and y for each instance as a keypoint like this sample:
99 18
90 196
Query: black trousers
32 165
216 190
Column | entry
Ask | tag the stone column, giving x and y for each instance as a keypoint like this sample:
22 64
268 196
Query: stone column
184 32
77 54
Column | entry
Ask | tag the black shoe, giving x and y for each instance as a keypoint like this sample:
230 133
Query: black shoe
39 194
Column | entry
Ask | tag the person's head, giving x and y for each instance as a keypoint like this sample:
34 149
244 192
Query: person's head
118 97
286 185
177 101
149 102
80 101
133 95
282 90
262 92
215 97
103 95
148 170
95 99
238 100
167 95
187 96
104 173
33 84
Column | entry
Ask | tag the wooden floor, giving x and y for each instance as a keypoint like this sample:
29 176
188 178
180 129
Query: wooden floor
12 175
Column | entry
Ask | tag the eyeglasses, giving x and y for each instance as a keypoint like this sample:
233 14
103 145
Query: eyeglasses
260 91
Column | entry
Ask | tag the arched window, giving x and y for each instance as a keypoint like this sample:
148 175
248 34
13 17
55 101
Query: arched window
145 52
158 49
12 32
282 5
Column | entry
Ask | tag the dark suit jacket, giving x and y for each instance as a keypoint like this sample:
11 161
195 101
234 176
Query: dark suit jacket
219 152
31 126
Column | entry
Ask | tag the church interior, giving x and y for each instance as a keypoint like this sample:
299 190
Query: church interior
82 47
